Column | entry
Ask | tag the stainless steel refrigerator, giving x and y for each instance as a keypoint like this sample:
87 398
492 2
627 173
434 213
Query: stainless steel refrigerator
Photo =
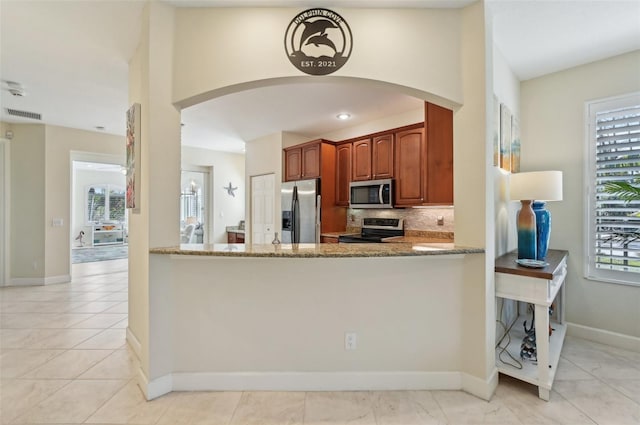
301 211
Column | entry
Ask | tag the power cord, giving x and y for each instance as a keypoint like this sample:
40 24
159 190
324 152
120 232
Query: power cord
506 335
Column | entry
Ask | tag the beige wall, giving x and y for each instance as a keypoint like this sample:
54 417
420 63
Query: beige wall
227 167
28 217
41 167
554 138
204 67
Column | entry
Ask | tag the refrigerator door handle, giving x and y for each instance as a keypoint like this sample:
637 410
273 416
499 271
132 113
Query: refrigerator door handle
295 216
318 217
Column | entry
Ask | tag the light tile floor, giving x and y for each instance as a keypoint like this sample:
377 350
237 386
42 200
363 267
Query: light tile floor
64 359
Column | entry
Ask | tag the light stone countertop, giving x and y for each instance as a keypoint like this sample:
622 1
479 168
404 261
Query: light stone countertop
234 229
318 250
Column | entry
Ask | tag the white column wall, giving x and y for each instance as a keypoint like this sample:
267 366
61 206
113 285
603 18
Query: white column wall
157 222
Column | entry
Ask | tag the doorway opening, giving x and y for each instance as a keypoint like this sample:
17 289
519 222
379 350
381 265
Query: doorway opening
99 221
194 208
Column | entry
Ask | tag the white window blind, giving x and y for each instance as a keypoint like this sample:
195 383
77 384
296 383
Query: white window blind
614 224
105 203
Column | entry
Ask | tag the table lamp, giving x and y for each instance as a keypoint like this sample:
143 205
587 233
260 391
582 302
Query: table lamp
533 189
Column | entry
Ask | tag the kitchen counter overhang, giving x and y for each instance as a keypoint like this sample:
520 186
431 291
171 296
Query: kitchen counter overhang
401 249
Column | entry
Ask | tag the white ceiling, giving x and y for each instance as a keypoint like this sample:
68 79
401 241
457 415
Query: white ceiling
71 57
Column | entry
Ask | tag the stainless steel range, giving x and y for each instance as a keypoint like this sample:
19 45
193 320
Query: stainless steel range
376 229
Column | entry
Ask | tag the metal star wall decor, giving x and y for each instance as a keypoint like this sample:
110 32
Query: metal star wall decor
230 189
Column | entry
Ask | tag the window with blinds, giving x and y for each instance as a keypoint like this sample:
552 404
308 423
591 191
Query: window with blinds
105 203
614 195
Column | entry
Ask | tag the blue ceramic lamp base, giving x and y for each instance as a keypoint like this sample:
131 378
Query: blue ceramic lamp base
543 229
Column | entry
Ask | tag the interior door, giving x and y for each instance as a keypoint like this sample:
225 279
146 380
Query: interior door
262 208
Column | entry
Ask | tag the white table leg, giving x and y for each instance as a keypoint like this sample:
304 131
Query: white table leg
542 347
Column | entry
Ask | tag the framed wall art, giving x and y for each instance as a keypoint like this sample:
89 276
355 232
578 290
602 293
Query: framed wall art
505 137
133 158
515 145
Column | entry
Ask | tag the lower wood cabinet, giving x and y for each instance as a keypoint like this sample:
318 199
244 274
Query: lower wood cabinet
328 239
235 237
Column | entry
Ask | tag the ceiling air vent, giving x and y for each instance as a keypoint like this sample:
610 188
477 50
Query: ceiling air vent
24 114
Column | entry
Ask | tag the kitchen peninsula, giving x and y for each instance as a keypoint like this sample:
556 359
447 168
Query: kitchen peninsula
275 317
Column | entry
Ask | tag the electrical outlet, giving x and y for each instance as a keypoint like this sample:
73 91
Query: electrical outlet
350 340
440 220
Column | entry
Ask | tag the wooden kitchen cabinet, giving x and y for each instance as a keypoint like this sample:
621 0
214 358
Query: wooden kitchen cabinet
362 153
343 173
293 164
235 237
328 239
303 162
439 139
382 157
373 158
424 161
410 158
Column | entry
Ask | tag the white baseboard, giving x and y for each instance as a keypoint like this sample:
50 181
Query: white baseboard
134 343
155 388
602 336
478 387
316 381
39 281
57 279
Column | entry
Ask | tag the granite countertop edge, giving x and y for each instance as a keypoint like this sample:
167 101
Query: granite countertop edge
317 251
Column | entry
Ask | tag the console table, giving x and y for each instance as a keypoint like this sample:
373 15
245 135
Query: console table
106 234
539 287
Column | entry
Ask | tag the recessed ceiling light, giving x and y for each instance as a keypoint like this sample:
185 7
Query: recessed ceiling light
99 127
343 116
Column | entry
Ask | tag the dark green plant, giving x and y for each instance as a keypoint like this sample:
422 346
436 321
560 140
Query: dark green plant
627 192
623 190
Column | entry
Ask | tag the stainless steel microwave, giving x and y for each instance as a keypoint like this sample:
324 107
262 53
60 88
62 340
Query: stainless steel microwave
371 194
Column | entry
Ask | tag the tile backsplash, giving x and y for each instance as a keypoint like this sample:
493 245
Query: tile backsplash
414 218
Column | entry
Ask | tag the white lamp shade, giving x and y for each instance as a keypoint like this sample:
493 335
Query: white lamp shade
536 185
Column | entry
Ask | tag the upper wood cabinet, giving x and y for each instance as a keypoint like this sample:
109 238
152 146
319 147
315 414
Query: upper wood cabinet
382 157
410 157
424 161
343 173
439 135
311 161
362 160
373 158
317 159
303 162
292 164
